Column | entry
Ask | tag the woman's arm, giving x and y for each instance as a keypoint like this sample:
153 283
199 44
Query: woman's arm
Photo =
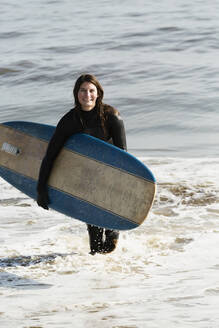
67 126
55 145
117 131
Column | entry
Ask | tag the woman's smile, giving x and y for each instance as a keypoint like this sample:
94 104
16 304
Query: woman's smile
87 96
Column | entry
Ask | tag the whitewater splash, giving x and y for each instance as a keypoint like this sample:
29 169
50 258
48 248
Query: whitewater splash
47 273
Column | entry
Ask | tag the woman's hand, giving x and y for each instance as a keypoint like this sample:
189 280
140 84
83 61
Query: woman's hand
43 199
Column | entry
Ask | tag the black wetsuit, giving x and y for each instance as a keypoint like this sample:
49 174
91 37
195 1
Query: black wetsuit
79 121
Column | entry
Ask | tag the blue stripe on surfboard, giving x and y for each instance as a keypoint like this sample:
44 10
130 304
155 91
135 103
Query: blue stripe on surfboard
88 146
67 204
41 131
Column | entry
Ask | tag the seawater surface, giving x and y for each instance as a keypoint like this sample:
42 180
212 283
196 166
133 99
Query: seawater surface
157 62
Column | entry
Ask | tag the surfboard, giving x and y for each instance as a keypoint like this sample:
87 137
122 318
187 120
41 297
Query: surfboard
91 180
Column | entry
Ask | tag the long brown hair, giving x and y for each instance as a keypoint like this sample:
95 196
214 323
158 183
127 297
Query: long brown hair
100 93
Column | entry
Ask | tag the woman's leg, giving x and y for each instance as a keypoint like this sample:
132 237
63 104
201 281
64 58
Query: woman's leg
111 239
95 239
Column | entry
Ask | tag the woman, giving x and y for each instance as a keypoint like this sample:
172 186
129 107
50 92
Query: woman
90 115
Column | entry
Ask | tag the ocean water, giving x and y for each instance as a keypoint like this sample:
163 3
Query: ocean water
158 64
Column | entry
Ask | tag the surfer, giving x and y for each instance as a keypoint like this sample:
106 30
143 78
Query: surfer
91 116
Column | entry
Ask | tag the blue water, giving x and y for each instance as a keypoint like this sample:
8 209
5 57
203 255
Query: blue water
158 64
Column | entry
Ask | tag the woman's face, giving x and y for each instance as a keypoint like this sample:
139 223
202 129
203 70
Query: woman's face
87 96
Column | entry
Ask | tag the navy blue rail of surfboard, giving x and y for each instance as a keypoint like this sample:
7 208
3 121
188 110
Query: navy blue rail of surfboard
67 204
88 146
